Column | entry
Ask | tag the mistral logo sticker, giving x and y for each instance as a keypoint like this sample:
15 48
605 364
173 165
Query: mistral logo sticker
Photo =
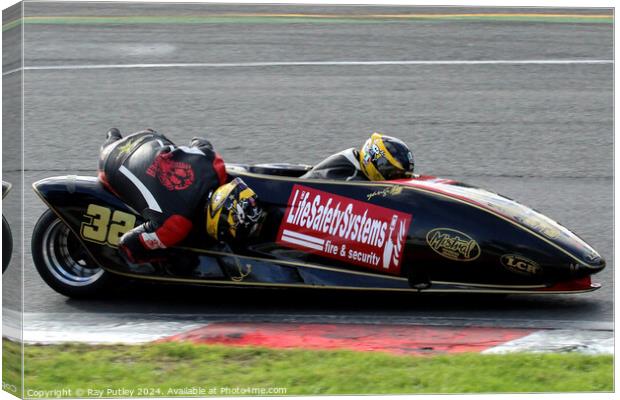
345 229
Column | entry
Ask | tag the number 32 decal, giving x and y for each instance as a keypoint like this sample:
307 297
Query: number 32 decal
105 227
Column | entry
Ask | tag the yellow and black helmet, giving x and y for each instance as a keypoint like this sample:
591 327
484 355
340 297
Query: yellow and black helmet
233 212
383 158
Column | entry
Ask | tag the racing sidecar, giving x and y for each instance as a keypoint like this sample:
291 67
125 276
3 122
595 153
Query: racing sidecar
422 234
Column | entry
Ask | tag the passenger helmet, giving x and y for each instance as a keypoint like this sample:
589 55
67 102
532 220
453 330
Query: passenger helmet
384 158
233 212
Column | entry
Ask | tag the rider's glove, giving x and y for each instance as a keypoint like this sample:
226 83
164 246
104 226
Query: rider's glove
139 245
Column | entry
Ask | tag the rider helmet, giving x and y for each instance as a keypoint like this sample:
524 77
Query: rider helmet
385 158
233 212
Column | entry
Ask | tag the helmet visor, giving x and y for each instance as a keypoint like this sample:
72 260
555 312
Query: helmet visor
391 172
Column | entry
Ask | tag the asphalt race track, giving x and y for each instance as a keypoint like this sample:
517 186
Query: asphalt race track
541 133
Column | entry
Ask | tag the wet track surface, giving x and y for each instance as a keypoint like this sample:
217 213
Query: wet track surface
541 134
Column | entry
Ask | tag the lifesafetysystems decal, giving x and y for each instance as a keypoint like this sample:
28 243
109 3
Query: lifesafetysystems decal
344 229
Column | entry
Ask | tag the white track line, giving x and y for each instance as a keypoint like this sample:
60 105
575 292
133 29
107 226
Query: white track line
308 64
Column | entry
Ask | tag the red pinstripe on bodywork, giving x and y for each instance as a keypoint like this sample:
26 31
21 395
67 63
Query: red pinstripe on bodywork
418 183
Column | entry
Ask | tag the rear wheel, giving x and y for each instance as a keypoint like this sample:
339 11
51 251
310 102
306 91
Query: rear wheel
7 244
62 261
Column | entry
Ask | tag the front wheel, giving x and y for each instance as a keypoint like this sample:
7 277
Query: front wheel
62 261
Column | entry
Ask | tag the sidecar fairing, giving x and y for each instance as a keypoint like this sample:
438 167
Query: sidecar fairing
356 235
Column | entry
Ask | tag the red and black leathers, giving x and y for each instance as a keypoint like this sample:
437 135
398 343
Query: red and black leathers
167 184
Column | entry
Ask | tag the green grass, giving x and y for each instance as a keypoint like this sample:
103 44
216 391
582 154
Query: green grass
11 367
292 19
180 365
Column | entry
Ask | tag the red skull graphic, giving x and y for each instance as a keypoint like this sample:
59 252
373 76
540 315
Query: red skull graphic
174 175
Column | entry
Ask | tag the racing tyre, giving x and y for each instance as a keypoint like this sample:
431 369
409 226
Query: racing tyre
63 263
7 244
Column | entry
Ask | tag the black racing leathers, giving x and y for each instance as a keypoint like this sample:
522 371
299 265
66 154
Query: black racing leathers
340 166
167 184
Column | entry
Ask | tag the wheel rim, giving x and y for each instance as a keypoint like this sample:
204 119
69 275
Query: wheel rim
65 257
